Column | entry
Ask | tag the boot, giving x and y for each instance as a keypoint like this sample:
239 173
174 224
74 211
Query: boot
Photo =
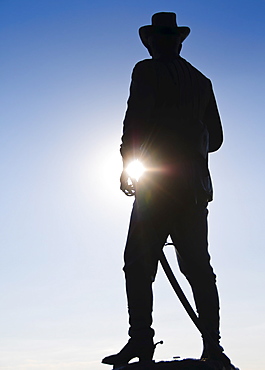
210 348
143 349
209 353
212 355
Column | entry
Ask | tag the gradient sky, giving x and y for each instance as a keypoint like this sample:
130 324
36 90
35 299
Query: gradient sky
65 74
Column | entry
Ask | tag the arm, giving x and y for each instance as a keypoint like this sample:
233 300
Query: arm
213 122
141 103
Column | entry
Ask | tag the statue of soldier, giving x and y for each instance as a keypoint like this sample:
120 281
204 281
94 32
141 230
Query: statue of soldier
171 124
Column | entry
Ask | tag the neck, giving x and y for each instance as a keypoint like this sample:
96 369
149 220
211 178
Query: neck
165 56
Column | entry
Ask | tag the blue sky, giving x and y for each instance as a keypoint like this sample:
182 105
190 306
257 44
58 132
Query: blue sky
65 73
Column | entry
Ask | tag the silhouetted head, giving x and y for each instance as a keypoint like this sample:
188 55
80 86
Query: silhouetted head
164 37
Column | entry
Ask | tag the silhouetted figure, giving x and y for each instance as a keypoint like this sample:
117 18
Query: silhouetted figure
171 124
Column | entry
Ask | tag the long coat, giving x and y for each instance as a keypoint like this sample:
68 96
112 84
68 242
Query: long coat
172 121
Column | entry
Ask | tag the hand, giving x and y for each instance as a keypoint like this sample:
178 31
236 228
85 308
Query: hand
128 189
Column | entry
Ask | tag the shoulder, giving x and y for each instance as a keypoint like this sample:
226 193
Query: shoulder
199 74
144 66
144 71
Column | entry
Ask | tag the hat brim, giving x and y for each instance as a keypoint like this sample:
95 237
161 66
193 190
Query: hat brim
146 31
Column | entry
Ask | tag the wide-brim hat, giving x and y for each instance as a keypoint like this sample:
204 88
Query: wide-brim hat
163 23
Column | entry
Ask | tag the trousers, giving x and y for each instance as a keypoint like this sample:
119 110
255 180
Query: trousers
157 214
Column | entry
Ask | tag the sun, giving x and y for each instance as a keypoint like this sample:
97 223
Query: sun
135 169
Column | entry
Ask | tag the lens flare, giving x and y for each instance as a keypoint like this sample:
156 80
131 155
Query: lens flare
135 170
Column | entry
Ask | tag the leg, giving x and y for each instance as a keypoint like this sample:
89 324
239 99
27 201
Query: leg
190 238
146 235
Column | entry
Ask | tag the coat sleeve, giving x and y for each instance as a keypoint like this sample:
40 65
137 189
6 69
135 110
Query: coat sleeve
140 107
213 123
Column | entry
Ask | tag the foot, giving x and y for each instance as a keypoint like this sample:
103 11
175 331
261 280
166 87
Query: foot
210 353
143 349
217 357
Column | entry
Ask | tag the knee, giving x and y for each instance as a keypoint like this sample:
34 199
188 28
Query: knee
199 274
140 270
